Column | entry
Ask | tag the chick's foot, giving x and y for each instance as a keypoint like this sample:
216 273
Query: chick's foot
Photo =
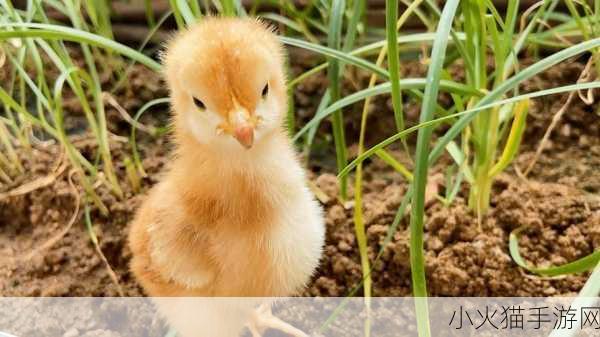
263 319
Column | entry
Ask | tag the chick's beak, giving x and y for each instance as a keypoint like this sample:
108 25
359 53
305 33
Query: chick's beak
242 127
244 135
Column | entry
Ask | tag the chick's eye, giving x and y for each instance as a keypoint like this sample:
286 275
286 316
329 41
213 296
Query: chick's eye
265 90
199 104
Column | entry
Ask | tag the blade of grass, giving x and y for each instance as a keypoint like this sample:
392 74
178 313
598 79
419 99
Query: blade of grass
195 6
149 10
386 157
357 11
587 297
580 265
228 7
514 138
289 23
186 12
358 206
417 259
510 65
333 74
460 158
99 14
391 17
337 54
132 139
361 238
452 188
94 238
57 32
359 223
177 14
312 131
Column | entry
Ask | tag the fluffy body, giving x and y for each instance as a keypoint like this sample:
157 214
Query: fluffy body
226 220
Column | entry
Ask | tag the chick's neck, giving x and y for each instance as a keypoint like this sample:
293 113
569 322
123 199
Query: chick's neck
248 182
271 152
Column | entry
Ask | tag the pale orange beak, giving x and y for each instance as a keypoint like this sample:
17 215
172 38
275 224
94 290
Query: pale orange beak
241 126
244 135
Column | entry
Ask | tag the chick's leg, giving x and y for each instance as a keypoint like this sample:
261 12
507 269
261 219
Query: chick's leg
263 319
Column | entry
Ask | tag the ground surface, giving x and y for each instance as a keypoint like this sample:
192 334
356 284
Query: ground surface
558 201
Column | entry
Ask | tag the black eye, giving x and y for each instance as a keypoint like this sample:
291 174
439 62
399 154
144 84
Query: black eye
265 90
199 104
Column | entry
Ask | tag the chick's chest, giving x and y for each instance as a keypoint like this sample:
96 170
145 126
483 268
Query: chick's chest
279 259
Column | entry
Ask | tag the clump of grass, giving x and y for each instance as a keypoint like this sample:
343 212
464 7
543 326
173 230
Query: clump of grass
40 45
482 23
504 115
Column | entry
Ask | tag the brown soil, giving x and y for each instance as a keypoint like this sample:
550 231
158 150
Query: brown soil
558 201
463 259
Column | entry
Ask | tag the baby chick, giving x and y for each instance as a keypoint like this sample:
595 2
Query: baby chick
233 216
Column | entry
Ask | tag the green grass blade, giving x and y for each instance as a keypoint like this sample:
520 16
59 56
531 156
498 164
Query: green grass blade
514 138
195 7
580 265
587 298
388 159
57 32
391 16
336 54
132 139
149 10
417 258
333 74
177 14
312 131
358 7
510 64
460 159
228 7
289 23
186 12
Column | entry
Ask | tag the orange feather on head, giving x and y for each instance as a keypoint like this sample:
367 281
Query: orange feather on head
232 75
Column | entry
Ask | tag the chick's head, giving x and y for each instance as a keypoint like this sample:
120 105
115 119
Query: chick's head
227 82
